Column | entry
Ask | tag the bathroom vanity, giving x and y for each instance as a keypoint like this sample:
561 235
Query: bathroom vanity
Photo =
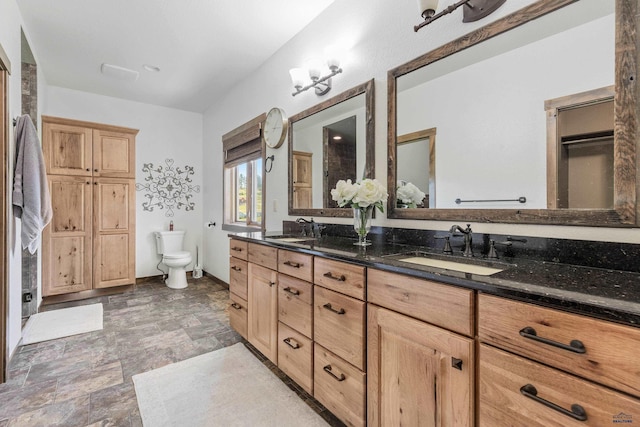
396 341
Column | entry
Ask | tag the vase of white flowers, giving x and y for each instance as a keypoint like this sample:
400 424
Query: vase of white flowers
363 197
408 195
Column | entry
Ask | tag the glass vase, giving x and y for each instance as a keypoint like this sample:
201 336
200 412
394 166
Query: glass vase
362 224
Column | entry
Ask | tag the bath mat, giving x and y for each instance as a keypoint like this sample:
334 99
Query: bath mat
60 323
227 387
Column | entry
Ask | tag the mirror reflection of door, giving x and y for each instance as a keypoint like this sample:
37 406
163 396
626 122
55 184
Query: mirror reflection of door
581 137
302 179
416 152
339 151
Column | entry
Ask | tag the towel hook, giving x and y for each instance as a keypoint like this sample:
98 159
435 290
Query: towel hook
271 157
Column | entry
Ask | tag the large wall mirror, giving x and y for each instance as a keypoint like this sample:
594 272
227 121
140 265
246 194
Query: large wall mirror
331 141
535 117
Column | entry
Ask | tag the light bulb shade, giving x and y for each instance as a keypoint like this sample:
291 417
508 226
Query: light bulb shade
427 5
315 69
298 76
333 55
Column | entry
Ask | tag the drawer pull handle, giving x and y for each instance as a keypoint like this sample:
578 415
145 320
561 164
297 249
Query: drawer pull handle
340 278
292 264
237 249
328 370
291 291
577 412
575 346
236 306
234 268
293 345
328 307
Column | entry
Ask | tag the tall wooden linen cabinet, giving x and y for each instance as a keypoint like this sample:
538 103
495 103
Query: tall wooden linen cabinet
90 242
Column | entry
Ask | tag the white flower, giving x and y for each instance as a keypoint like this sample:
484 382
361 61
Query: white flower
367 193
371 192
409 194
344 192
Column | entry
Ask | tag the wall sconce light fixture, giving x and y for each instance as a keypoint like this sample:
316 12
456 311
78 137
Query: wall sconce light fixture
312 76
474 10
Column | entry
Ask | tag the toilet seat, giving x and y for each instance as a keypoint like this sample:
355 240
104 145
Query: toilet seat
177 255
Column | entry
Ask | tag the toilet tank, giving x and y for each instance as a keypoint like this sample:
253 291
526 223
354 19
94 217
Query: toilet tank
169 241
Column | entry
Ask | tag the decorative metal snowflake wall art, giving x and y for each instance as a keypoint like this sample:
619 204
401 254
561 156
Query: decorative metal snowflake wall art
168 187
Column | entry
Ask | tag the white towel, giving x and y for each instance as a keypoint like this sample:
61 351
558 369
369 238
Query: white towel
31 199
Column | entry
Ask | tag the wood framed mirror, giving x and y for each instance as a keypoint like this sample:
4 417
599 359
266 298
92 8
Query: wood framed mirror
330 141
491 121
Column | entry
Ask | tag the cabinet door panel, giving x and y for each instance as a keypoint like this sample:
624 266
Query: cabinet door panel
113 154
66 242
114 232
263 311
413 375
67 149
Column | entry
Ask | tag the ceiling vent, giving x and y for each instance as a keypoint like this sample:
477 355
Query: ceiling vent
119 72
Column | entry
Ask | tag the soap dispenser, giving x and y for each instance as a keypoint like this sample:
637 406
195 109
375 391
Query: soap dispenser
171 226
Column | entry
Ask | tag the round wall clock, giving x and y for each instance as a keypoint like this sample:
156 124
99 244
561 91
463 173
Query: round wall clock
275 129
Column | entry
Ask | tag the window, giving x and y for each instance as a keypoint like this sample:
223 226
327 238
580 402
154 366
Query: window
243 177
244 193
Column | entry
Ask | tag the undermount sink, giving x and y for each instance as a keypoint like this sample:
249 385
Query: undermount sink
428 260
292 239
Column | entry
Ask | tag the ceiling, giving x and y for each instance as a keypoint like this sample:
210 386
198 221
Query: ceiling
202 47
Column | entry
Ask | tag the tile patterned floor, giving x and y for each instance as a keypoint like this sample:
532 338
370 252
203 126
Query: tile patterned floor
85 380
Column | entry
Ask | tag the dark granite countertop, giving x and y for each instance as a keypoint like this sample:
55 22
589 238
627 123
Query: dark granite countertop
603 293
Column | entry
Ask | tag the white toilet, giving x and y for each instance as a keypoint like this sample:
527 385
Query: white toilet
169 244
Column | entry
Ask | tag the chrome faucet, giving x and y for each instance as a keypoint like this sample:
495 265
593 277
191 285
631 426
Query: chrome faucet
468 249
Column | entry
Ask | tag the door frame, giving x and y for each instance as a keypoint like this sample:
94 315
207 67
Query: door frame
5 71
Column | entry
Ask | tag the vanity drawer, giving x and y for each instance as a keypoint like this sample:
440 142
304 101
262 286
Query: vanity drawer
339 387
263 255
446 306
338 324
294 304
238 249
610 353
295 264
505 378
238 277
295 356
339 276
238 314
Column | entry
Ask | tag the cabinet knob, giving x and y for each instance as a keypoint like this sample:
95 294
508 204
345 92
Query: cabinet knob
95 170
88 170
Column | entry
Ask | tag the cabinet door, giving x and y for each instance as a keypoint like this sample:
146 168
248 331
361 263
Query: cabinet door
263 311
67 149
66 242
113 154
114 232
418 374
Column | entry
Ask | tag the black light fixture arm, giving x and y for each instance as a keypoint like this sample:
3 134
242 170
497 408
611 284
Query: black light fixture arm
320 82
445 11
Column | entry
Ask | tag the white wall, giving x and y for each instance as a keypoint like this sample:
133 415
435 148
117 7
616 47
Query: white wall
165 133
380 36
